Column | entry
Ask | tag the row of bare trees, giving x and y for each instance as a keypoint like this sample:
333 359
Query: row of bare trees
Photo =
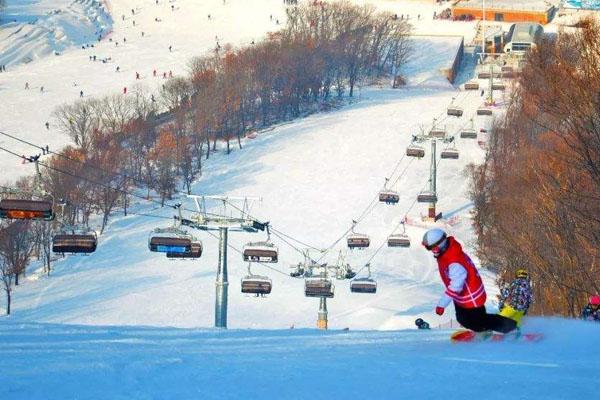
537 196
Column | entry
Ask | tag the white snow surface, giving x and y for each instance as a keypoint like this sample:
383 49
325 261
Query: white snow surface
45 361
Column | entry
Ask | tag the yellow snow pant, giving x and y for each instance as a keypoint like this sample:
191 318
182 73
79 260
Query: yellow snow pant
509 312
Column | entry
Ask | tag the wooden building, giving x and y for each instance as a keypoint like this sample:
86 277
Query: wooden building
539 11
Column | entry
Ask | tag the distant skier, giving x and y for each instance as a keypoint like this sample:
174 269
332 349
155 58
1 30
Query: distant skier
591 312
137 75
118 69
516 299
81 93
421 324
154 73
463 285
41 89
47 125
26 85
125 90
170 74
170 48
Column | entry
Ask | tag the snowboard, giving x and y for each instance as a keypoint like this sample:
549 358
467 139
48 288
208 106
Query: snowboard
465 335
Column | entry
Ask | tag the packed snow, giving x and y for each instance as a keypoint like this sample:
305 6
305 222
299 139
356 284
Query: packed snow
46 361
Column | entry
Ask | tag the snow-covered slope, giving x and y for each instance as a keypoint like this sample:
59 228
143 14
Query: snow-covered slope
41 361
314 175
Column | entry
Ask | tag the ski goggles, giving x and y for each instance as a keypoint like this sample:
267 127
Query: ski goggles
434 246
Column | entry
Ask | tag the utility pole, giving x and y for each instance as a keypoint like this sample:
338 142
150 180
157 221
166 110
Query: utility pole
322 316
222 283
432 179
209 222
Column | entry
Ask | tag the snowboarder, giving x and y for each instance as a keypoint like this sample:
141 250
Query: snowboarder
421 324
591 312
463 285
516 299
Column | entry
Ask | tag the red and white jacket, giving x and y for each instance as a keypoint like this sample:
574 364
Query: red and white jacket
463 283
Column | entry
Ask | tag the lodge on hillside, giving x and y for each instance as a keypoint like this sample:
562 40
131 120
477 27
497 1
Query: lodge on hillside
540 11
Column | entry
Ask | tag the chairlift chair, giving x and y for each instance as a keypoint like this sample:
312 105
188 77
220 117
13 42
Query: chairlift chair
76 243
498 86
415 151
260 252
26 209
256 284
437 133
318 287
389 197
427 197
472 85
468 133
450 153
398 240
483 110
364 285
169 240
195 252
358 241
455 111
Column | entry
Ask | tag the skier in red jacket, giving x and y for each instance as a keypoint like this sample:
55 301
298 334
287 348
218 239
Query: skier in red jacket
463 285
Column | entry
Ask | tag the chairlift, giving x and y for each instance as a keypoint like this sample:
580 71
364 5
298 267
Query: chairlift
169 240
439 133
318 287
26 209
358 241
472 85
415 151
498 86
468 133
427 197
450 153
75 243
484 110
399 239
261 252
388 196
454 110
364 285
195 252
256 284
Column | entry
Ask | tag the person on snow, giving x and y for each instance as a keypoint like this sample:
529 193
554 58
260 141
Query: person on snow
591 312
463 285
516 299
421 324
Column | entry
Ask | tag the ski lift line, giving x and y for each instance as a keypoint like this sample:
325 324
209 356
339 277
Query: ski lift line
103 185
112 174
43 149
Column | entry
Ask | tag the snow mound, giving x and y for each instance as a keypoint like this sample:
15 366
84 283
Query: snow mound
38 29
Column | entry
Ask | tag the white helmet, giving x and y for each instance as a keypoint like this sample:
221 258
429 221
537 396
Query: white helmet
436 241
